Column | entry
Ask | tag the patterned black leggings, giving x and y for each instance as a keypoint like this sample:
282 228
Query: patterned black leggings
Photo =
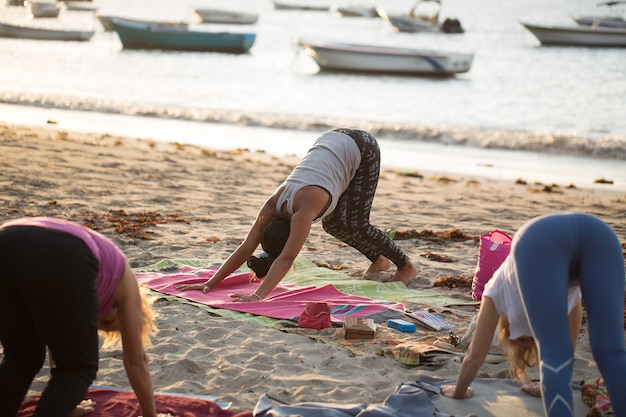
350 221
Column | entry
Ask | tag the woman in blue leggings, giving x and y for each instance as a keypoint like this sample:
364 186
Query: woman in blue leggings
534 297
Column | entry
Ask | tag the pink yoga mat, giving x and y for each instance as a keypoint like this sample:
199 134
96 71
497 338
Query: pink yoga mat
286 301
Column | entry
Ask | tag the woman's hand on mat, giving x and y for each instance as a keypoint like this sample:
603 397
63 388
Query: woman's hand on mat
85 407
448 391
244 297
533 388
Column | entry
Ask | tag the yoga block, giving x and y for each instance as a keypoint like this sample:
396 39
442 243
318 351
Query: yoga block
359 328
402 325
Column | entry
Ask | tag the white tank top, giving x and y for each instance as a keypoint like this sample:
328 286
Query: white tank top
330 164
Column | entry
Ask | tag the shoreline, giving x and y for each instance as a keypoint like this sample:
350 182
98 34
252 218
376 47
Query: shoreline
402 154
208 198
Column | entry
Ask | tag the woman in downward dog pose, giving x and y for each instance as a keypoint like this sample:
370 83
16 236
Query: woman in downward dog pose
335 183
534 299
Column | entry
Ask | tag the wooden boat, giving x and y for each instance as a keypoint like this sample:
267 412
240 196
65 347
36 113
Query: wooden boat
105 21
578 35
348 57
23 32
225 16
279 5
138 35
42 9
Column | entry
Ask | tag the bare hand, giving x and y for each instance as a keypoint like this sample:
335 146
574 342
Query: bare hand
532 388
184 287
448 391
85 407
244 297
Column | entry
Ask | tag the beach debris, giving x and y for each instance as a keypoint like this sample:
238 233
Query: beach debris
452 281
332 267
437 258
132 224
454 235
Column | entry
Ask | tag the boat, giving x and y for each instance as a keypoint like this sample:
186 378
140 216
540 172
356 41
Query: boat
139 35
609 21
348 57
578 35
417 20
601 21
105 21
279 5
24 32
225 16
356 10
79 6
42 9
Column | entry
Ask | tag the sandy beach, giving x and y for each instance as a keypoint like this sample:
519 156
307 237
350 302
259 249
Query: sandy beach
200 204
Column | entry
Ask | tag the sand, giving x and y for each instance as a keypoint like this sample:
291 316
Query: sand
208 199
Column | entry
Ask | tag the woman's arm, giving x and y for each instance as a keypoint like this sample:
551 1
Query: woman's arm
243 251
128 302
309 203
486 324
575 319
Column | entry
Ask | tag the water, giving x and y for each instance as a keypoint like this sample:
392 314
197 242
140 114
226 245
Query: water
521 109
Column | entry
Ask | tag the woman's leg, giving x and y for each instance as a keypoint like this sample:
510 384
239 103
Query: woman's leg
602 284
350 221
543 251
24 350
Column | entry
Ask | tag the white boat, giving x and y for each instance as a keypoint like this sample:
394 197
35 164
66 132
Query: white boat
301 5
79 6
578 35
609 21
24 32
355 10
416 21
42 9
347 57
225 16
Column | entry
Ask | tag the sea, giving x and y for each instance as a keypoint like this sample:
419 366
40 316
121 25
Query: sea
550 115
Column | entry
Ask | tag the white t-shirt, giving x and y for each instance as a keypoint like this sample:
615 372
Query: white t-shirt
330 164
502 288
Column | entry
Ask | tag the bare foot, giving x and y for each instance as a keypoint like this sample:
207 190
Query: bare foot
405 274
381 264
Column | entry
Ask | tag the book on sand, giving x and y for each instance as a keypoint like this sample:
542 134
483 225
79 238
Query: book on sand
425 318
359 328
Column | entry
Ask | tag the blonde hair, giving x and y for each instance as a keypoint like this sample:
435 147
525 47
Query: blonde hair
148 317
520 357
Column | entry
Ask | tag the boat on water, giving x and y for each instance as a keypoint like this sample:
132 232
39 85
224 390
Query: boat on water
42 9
79 6
309 5
225 16
139 35
348 57
578 35
354 10
420 20
105 21
25 32
604 20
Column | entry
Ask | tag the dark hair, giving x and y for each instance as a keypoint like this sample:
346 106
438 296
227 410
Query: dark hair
273 241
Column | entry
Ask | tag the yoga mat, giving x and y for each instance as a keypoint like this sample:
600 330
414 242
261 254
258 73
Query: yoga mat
117 402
